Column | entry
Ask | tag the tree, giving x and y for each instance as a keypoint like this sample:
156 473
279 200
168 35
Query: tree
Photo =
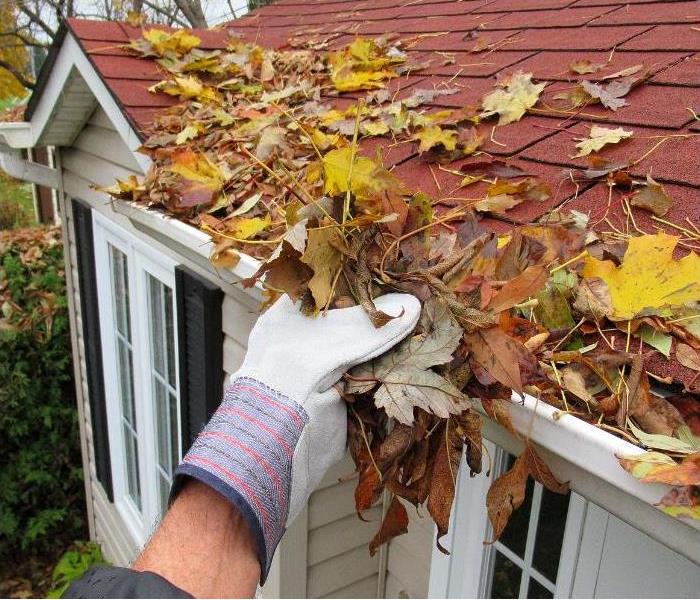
30 25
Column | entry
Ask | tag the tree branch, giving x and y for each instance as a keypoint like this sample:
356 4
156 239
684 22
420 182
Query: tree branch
17 74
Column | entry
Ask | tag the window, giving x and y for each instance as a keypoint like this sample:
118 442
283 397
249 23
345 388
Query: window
536 554
139 347
524 562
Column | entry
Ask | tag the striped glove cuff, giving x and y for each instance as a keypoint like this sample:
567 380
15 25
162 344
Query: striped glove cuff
245 453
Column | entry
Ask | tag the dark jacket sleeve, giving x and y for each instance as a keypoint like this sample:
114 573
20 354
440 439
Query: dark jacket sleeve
116 582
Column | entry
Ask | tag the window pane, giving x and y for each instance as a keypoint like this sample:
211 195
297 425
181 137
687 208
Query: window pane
174 433
170 334
514 535
162 424
120 290
550 534
132 461
155 288
536 590
506 578
163 493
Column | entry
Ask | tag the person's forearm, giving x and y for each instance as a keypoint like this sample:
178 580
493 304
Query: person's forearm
204 547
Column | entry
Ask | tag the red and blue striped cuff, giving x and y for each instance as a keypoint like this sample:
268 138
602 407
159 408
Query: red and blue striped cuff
245 453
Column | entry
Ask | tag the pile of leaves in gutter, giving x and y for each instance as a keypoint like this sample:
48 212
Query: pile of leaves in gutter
257 157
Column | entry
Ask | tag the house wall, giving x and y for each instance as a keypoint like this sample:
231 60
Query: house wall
324 553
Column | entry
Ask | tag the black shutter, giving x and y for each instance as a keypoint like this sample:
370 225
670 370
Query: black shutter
200 347
85 250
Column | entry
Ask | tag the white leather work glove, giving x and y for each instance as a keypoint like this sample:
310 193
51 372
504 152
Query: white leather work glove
282 423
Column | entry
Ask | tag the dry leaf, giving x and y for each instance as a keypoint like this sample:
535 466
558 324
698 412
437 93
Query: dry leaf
649 279
599 137
395 523
688 356
515 291
513 96
652 197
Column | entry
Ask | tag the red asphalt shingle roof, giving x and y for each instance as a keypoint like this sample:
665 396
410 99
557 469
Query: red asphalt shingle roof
538 36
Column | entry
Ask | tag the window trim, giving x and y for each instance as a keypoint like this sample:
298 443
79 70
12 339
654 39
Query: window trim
142 260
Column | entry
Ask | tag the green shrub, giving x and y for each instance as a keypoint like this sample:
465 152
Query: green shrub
16 203
41 490
73 564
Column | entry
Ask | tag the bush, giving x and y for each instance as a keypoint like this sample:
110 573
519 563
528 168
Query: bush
16 203
73 564
41 482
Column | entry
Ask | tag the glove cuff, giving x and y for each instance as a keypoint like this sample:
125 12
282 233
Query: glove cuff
245 453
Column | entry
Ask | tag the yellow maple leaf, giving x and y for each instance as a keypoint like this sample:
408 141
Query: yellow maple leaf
369 178
599 137
247 228
512 98
649 280
186 88
178 42
430 137
362 65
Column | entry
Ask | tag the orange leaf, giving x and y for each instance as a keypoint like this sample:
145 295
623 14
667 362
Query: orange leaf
685 473
395 523
527 284
506 494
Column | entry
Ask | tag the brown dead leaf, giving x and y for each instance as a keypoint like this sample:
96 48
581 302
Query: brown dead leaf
540 471
499 354
506 494
515 291
652 197
368 490
688 356
395 523
444 477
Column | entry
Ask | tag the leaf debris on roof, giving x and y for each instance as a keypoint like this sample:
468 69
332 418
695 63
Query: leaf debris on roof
265 157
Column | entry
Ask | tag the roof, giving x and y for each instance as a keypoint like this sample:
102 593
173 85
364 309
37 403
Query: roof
470 44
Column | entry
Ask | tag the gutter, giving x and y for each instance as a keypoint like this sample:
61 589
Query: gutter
576 451
586 456
15 137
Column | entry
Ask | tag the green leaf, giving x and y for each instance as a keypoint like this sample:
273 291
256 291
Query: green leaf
656 339
688 445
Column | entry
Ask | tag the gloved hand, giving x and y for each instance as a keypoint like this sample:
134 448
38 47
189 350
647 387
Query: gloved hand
282 423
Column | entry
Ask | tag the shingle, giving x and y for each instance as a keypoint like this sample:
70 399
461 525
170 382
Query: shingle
554 65
120 66
418 176
571 17
425 9
469 64
135 93
666 37
594 202
513 138
648 104
685 72
465 22
520 5
473 41
661 12
585 38
105 31
668 156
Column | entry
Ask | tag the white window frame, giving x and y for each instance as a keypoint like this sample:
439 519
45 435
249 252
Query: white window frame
142 260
